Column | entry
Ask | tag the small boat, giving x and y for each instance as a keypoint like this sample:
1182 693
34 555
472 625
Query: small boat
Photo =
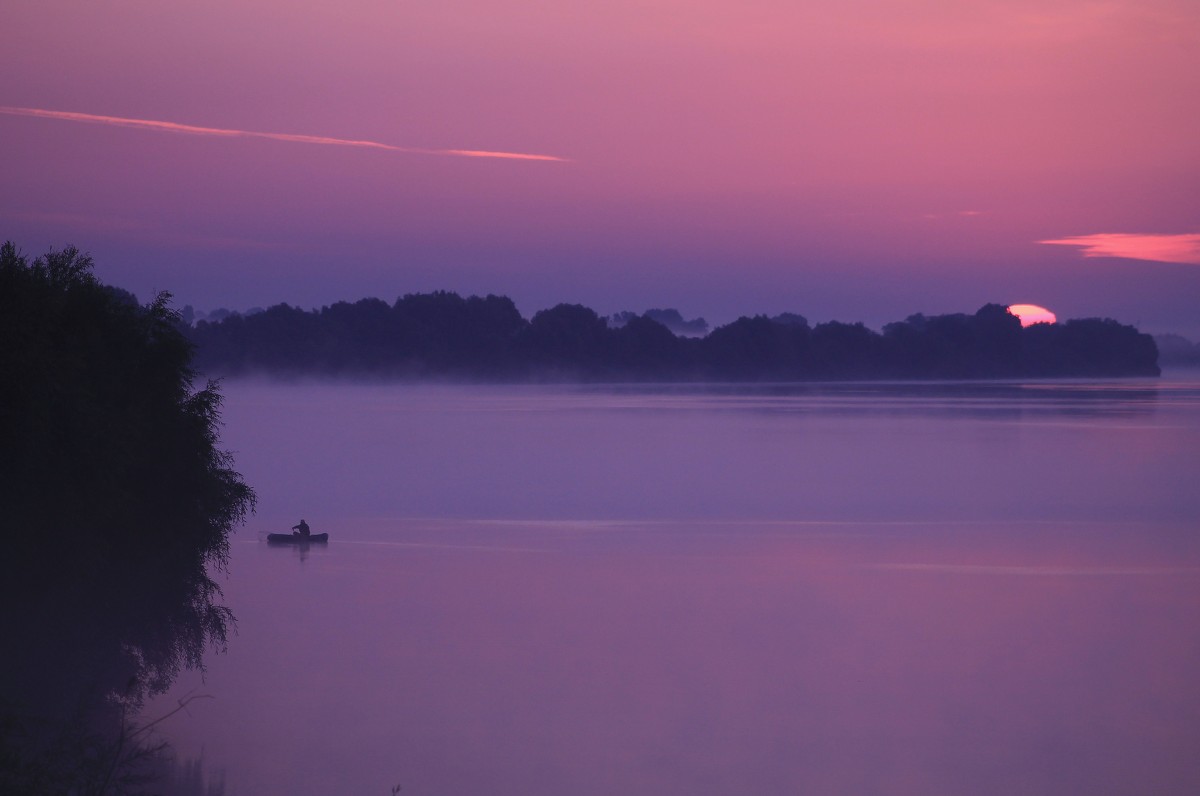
295 538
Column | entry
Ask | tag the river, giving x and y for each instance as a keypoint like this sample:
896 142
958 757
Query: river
915 588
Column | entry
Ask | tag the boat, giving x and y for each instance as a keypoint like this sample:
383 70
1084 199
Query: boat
295 538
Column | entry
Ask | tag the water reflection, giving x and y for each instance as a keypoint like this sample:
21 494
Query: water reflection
541 658
888 589
298 550
984 399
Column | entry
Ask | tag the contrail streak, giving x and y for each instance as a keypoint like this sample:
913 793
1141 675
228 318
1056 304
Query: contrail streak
191 129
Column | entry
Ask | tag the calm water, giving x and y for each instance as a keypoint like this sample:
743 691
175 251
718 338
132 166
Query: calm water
839 589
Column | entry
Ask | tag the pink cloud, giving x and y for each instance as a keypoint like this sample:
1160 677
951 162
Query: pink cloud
174 127
1158 248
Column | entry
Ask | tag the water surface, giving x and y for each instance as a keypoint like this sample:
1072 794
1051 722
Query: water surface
871 588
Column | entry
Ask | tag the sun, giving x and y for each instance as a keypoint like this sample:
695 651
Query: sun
1032 313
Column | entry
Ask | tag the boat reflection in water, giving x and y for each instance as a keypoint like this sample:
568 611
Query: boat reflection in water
297 539
300 545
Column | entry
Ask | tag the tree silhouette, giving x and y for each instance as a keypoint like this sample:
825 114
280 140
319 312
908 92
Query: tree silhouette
757 349
116 496
566 339
984 345
645 349
442 335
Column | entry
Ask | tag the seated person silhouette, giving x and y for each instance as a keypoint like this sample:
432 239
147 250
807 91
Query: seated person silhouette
302 529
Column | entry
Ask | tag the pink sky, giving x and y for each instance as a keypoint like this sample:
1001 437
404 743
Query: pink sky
852 160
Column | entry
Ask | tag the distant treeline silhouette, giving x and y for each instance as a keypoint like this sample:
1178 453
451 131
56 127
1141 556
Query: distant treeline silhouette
442 335
1177 351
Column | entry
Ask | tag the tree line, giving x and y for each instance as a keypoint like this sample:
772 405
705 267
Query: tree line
1177 351
443 335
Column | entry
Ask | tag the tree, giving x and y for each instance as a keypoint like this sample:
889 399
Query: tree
567 338
443 335
984 345
756 349
1089 347
845 350
644 348
118 500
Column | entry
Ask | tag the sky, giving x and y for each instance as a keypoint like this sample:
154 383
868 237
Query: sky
851 160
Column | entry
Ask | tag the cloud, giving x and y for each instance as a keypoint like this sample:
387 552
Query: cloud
1157 248
189 129
954 214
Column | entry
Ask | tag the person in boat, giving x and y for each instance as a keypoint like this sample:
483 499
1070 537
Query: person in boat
302 529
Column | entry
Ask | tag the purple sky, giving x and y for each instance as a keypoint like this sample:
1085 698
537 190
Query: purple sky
853 160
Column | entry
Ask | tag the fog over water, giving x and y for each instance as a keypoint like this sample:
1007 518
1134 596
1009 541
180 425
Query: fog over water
852 588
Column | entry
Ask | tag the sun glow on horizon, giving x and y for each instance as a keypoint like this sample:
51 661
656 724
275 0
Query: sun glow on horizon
1032 313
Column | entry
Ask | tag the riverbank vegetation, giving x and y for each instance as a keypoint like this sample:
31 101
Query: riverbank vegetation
445 336
118 504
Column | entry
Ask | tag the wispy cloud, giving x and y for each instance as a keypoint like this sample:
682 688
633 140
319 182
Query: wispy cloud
1158 248
955 214
190 129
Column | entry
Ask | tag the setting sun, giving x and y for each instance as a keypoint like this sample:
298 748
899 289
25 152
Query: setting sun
1032 313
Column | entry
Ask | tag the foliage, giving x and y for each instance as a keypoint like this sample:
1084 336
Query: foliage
986 344
1177 351
118 500
668 317
442 335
